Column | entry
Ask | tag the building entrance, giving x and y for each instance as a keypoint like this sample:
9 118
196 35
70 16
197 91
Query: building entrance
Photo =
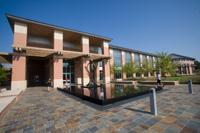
38 71
68 72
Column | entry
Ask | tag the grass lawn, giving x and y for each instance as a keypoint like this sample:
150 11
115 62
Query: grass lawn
184 79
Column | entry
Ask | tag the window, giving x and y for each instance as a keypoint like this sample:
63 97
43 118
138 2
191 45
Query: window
151 60
118 64
144 59
144 62
154 62
117 57
137 59
68 71
128 60
151 63
127 57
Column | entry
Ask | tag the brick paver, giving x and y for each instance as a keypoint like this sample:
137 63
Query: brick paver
42 111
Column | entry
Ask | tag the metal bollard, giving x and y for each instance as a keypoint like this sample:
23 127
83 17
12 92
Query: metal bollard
153 104
190 87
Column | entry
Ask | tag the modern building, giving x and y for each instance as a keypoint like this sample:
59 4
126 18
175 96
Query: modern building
185 64
43 52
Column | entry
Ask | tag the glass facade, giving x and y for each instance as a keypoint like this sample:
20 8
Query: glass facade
144 62
137 62
127 57
137 59
144 59
151 60
128 60
151 63
117 58
117 63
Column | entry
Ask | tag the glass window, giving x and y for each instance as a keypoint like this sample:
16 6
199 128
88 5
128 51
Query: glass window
151 62
117 63
137 59
127 57
117 57
68 71
144 59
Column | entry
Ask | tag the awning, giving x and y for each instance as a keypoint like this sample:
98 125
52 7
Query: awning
5 57
73 54
45 52
98 57
38 52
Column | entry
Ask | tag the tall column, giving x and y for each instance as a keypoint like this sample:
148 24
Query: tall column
97 72
19 61
190 69
123 63
58 62
85 49
149 74
111 63
133 61
187 69
181 67
106 70
154 66
141 61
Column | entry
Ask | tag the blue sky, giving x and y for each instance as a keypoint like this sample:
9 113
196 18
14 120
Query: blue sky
149 25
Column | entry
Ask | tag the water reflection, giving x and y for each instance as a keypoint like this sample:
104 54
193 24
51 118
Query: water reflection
108 92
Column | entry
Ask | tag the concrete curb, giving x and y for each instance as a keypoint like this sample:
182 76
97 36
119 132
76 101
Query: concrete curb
5 110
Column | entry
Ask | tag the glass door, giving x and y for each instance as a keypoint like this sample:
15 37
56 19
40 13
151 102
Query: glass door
68 73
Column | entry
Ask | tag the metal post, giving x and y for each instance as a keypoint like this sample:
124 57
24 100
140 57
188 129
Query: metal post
153 104
190 87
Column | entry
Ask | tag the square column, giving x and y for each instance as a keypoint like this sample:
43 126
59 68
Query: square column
106 64
149 74
123 63
19 61
187 69
154 66
111 63
58 62
106 71
190 69
85 62
141 61
133 61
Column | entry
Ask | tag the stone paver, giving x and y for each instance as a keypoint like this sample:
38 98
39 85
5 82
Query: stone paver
41 111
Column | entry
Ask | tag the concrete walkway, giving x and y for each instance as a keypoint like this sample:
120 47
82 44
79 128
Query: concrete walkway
6 98
41 111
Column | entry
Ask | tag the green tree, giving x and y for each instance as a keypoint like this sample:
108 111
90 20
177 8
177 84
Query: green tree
147 67
141 70
165 64
115 69
130 68
3 75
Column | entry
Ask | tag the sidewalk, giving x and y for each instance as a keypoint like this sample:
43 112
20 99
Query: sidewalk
8 97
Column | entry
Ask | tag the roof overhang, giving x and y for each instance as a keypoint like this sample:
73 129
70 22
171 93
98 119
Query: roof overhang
12 19
5 58
132 50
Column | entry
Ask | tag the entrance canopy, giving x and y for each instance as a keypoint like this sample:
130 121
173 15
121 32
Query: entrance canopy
45 52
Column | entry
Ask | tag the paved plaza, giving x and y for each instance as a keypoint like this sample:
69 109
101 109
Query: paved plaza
41 111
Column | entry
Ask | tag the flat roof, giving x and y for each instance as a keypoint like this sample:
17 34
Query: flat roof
132 50
178 56
12 19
